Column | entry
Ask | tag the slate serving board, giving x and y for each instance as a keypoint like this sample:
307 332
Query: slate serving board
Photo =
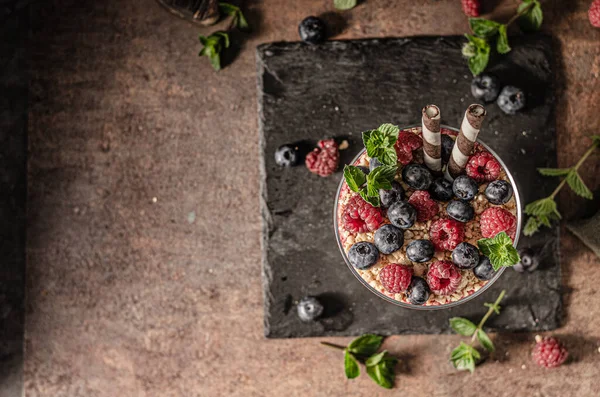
341 88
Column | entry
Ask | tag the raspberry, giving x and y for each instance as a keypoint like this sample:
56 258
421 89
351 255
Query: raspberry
471 8
443 278
406 143
323 160
425 206
360 216
495 220
483 167
446 234
594 13
549 352
395 278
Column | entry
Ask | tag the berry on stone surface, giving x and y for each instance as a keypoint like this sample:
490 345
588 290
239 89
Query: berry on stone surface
549 352
495 220
446 234
447 145
425 206
483 167
312 30
485 87
395 278
388 239
324 159
460 210
420 251
405 145
417 176
465 188
286 156
309 308
443 277
363 255
484 270
402 215
498 192
530 261
471 8
511 99
465 256
389 197
418 291
441 189
594 13
358 216
374 163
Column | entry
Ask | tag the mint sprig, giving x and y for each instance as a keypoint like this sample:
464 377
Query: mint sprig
235 12
380 143
500 251
213 45
530 15
368 185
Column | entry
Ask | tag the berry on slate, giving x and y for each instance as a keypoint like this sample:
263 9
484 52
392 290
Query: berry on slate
402 215
418 291
361 217
549 352
425 206
485 87
530 261
309 308
446 234
447 145
495 220
395 278
363 255
483 167
511 99
443 278
465 256
312 30
594 13
389 197
484 270
286 156
406 143
471 8
374 163
420 251
324 159
388 239
465 188
498 192
417 176
460 210
441 189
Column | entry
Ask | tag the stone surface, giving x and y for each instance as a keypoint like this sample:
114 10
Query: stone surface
131 297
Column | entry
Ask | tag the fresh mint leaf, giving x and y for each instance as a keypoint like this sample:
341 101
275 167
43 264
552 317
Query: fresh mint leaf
383 372
371 199
578 186
224 37
380 144
238 17
390 131
481 48
531 15
382 177
213 45
545 207
554 171
388 156
344 4
464 357
350 365
502 43
532 226
485 340
365 345
355 178
462 326
366 135
484 28
499 250
375 359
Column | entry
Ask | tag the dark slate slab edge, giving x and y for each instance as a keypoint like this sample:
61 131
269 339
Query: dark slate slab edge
14 24
368 82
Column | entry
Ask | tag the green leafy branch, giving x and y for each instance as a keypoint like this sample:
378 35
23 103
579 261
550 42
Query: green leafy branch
499 250
544 211
379 365
479 46
465 356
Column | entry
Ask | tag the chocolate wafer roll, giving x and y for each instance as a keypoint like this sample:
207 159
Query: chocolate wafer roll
463 146
432 139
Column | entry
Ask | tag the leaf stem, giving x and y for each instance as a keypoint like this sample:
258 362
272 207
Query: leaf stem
575 168
334 346
487 315
518 14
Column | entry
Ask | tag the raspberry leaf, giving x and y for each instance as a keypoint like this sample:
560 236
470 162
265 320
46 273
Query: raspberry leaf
462 326
350 365
484 28
485 340
355 178
531 15
578 186
344 4
365 345
502 44
464 356
554 171
499 250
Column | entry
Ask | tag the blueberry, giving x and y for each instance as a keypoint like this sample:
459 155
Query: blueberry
418 291
374 163
388 239
465 188
312 30
511 99
498 192
309 308
389 197
363 255
286 156
402 214
460 210
485 87
417 176
484 270
420 251
529 260
447 145
441 189
364 169
465 256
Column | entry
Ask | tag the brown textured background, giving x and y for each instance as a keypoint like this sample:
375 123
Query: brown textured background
143 242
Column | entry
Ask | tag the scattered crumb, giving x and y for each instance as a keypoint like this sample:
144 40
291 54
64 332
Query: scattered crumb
523 366
344 145
538 338
462 99
337 109
506 354
210 270
599 350
510 370
524 133
140 128
76 210
191 217
465 76
154 199
523 151
324 106
454 81
496 132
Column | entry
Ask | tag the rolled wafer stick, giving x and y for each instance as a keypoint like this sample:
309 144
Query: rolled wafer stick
432 139
463 146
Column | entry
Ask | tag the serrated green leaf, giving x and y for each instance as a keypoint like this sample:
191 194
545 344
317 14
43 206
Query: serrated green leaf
354 177
375 359
382 374
344 4
499 250
390 130
236 12
381 177
554 171
502 43
545 206
350 365
365 345
388 156
215 61
478 62
366 135
464 357
530 20
371 199
462 326
484 28
485 340
532 226
578 186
